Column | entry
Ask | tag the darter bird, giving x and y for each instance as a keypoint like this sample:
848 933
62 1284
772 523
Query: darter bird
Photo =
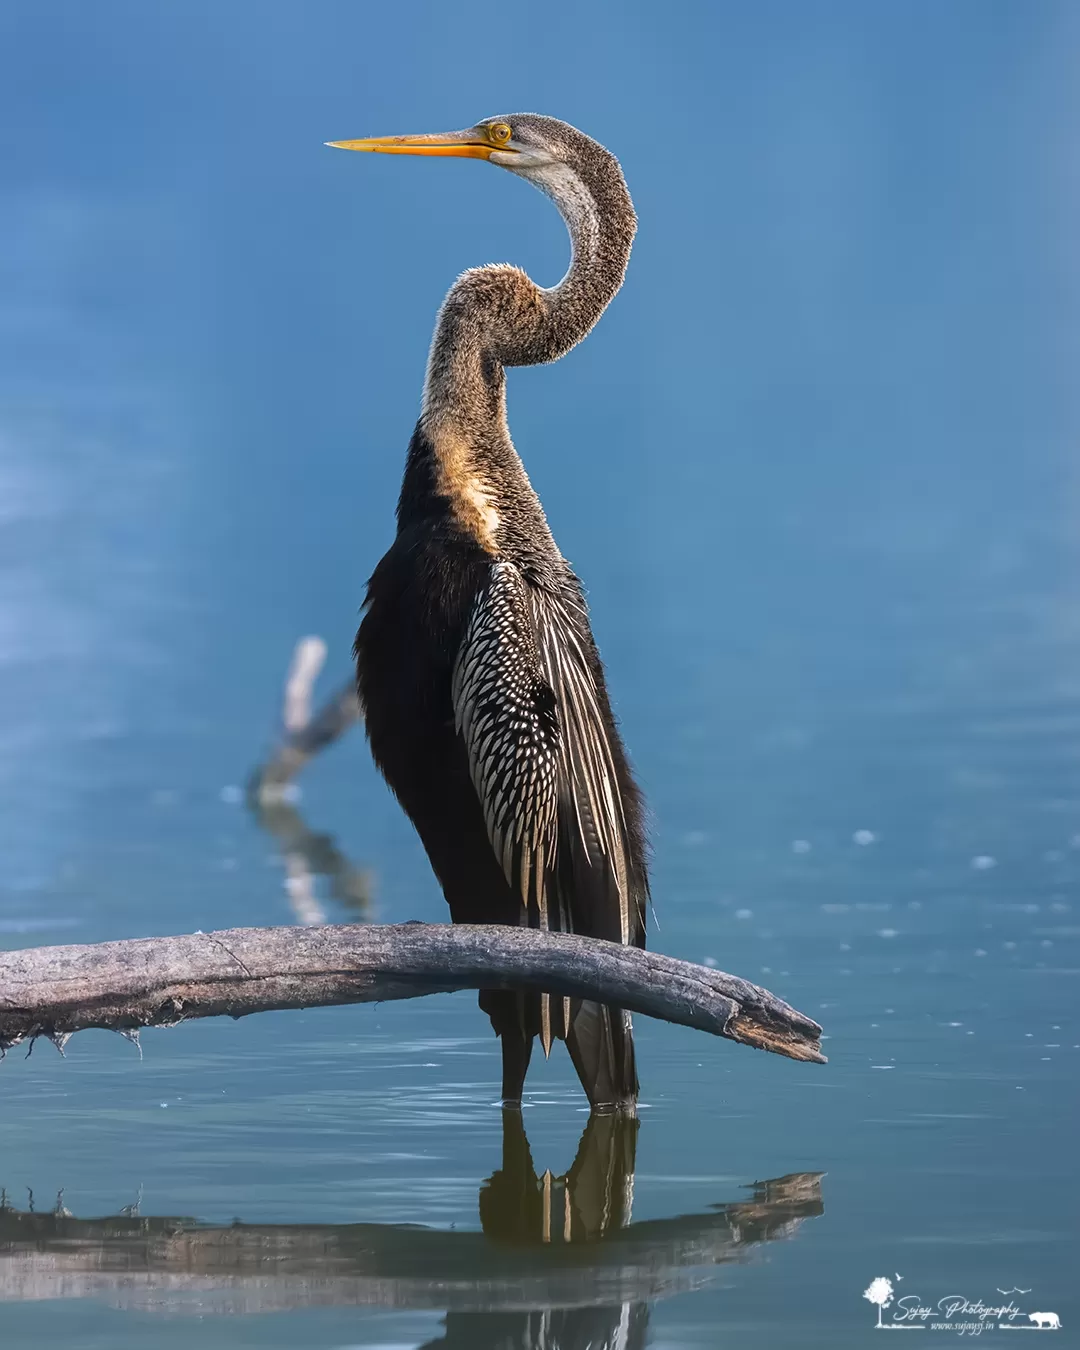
482 688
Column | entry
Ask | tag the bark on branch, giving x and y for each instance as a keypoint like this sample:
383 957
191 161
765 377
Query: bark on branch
122 986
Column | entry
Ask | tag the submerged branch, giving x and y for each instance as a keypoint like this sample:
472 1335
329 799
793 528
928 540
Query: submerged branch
303 735
122 986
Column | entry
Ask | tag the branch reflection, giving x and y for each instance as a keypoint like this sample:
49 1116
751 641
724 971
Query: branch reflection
558 1263
307 854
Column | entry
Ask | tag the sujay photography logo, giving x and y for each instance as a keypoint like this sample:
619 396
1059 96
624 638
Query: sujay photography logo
897 1311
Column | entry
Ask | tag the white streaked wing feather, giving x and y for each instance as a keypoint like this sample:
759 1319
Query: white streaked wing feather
505 713
540 756
588 780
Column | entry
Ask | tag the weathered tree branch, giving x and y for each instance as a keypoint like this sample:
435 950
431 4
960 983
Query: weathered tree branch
122 986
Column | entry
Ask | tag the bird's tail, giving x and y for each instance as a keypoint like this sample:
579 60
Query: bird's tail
601 1044
600 1040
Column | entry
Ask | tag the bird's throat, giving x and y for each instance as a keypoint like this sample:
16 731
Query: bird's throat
461 478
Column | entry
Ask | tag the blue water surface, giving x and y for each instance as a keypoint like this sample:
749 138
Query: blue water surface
818 469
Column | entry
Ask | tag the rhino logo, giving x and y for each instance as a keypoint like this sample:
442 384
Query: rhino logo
1046 1321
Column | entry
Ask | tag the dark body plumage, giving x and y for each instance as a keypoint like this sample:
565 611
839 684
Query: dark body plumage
483 692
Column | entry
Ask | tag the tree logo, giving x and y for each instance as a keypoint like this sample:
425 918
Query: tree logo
880 1292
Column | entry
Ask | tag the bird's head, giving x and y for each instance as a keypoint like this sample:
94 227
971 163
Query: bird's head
553 155
522 143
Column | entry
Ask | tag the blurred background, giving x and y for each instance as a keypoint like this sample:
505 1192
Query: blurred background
817 467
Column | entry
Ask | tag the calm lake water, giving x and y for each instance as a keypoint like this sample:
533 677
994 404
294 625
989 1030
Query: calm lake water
818 470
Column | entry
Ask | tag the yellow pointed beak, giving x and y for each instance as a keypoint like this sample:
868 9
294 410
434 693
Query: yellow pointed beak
462 144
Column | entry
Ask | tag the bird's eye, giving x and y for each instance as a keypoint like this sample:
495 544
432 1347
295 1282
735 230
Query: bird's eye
499 132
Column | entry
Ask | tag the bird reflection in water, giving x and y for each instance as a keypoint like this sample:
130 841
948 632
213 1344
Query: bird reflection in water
519 1209
592 1200
558 1264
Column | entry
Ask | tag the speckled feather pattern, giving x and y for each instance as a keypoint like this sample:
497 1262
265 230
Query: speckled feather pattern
507 716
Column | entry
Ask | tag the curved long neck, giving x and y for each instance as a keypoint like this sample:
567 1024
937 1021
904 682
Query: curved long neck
497 316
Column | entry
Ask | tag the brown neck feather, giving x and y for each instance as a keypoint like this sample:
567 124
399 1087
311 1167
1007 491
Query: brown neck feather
497 316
